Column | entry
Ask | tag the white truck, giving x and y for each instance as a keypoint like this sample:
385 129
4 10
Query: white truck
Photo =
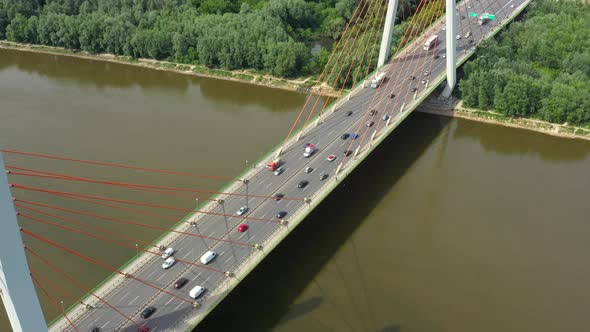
379 77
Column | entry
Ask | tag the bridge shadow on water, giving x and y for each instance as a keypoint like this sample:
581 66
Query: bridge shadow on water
265 299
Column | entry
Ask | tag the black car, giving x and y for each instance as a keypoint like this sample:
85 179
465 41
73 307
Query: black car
347 153
436 56
281 214
278 197
412 77
323 176
373 112
391 95
470 41
349 113
144 329
414 89
95 329
180 283
345 136
462 17
147 312
302 184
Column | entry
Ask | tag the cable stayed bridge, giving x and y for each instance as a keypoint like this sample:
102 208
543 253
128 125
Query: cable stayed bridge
245 220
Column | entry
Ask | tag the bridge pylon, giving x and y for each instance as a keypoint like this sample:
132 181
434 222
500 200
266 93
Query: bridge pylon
16 285
451 21
387 31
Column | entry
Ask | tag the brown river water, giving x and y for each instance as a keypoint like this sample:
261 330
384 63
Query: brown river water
451 225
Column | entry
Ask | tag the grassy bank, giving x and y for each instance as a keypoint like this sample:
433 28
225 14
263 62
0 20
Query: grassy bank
303 84
457 109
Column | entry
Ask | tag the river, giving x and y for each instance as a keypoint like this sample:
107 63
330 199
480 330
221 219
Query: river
451 225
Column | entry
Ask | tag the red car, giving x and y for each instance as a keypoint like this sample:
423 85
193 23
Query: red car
242 228
331 157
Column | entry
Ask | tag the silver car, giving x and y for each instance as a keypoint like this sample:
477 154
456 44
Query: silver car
242 210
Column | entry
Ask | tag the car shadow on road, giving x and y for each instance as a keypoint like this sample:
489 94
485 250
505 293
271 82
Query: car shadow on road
266 296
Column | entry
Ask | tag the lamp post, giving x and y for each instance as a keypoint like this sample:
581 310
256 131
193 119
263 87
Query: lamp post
62 305
137 248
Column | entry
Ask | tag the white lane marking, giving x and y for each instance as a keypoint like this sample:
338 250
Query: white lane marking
135 299
227 260
105 324
287 205
270 184
263 216
187 254
197 276
162 276
171 299
178 306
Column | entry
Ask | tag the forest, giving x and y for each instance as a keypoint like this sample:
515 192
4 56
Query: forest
537 68
273 37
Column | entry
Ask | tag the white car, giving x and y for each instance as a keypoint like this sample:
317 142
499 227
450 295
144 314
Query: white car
168 263
468 34
169 252
458 37
308 170
196 291
242 210
208 257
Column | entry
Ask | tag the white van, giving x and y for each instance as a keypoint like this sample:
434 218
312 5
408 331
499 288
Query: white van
169 252
208 257
196 291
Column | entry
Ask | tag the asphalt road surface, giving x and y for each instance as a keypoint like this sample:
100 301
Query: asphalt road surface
132 297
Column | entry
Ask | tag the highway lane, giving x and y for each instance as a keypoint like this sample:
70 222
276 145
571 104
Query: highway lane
134 296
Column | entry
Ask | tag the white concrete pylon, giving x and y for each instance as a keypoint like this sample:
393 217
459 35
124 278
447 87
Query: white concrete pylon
451 19
387 31
16 285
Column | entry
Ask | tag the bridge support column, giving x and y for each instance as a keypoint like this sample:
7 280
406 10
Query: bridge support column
451 48
16 285
387 30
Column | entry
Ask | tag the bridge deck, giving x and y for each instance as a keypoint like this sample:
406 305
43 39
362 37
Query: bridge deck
173 314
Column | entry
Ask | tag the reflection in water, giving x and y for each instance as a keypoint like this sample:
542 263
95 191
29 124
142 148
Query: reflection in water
449 226
348 298
504 140
92 72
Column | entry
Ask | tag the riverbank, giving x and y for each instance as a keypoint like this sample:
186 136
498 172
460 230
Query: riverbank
303 84
457 109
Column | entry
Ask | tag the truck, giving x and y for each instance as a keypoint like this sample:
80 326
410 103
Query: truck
379 77
309 150
430 42
274 164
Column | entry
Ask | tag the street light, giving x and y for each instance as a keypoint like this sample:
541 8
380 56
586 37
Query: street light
62 305
137 248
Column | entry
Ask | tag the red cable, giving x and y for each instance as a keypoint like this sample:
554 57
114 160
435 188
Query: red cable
81 224
408 33
119 220
117 165
112 241
61 193
97 262
50 175
320 78
311 111
83 288
53 300
58 287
